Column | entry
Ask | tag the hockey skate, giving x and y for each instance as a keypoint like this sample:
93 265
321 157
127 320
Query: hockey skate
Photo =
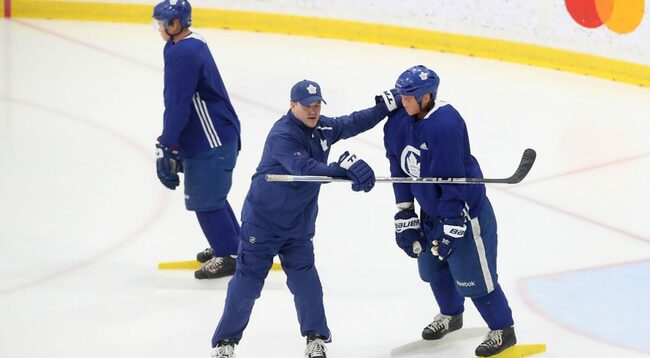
216 267
205 255
225 349
441 325
315 347
496 342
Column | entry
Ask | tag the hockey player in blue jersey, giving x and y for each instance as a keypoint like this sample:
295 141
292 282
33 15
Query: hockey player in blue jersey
279 218
457 227
200 136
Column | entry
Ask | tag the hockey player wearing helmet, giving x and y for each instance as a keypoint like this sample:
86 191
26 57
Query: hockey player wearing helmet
456 225
200 136
174 18
420 87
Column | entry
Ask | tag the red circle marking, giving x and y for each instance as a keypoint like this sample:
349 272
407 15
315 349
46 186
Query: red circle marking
584 12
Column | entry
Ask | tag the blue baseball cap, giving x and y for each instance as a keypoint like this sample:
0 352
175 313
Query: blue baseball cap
306 92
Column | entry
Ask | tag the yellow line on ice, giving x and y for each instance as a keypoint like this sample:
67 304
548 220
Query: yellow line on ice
522 53
179 265
195 265
521 350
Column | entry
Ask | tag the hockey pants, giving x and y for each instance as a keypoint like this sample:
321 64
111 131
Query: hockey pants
255 258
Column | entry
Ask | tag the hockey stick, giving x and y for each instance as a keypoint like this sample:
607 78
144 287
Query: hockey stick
526 163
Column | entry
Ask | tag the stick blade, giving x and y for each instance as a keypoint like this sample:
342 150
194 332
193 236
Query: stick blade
526 164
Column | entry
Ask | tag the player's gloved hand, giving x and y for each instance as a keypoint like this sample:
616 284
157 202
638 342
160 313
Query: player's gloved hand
167 165
408 232
362 175
453 231
391 98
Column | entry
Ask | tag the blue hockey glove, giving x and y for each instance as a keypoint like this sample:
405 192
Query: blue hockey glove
391 98
408 232
453 231
167 165
362 175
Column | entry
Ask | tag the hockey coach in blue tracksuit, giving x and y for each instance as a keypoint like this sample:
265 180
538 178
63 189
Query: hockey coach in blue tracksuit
279 218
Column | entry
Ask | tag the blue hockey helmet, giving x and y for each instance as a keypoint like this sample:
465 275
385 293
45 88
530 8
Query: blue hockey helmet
416 81
168 10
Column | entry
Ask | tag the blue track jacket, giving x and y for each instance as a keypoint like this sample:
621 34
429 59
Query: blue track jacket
289 210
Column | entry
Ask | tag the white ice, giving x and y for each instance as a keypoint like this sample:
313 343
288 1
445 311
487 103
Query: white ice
84 220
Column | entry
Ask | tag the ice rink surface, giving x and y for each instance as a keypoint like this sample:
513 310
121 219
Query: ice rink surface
84 220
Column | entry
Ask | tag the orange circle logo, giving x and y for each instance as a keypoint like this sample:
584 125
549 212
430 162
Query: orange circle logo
620 16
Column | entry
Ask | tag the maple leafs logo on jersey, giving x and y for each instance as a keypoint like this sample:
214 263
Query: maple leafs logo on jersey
410 161
323 143
311 89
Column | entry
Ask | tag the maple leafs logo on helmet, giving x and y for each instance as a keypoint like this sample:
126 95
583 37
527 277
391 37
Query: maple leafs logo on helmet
416 81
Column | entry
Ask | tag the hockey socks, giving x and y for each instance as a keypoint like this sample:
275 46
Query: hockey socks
446 294
221 228
233 217
494 309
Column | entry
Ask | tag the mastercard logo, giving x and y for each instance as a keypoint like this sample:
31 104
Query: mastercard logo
620 16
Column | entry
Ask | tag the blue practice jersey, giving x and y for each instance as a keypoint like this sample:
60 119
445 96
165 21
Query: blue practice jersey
290 209
435 146
198 113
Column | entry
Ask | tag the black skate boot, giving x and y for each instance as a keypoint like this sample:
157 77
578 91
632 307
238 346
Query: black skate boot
205 255
315 347
496 342
441 325
216 267
224 349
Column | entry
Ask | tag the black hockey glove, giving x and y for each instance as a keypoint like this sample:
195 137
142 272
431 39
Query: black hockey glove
453 231
391 98
408 232
362 175
167 165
